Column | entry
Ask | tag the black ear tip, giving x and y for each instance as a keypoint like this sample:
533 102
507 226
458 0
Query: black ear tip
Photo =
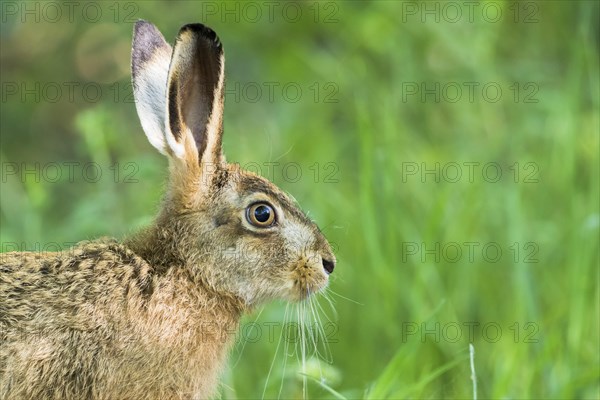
203 31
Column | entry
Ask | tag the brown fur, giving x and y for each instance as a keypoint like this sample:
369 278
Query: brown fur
153 317
99 322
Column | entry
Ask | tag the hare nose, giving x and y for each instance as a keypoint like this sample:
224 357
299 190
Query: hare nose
328 265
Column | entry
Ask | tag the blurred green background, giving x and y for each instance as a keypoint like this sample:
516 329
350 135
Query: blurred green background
450 151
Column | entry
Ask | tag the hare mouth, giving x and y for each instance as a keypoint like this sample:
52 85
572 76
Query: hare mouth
306 280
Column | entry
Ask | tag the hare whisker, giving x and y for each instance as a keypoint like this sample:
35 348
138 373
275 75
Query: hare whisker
245 340
286 342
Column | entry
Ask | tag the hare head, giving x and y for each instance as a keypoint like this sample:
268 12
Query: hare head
237 232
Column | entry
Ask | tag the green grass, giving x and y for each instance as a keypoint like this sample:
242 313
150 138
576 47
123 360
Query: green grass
547 310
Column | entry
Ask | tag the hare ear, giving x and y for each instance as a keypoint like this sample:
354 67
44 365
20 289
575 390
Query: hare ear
150 58
195 96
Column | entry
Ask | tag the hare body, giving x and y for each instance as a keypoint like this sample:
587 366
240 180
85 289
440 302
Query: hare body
99 322
153 317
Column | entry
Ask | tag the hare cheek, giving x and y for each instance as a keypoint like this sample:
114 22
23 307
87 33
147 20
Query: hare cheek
297 237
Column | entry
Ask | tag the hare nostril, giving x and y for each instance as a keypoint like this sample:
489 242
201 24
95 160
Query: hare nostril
328 265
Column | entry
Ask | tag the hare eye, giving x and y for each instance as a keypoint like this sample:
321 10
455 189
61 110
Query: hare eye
261 215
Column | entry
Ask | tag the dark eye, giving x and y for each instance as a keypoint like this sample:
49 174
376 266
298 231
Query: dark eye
261 215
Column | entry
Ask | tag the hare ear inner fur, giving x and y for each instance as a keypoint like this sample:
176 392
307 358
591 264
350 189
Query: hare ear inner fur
195 95
150 58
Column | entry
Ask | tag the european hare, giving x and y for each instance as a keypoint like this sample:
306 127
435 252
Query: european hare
153 317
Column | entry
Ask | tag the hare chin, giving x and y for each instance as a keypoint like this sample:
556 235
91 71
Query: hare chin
303 289
299 296
293 291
